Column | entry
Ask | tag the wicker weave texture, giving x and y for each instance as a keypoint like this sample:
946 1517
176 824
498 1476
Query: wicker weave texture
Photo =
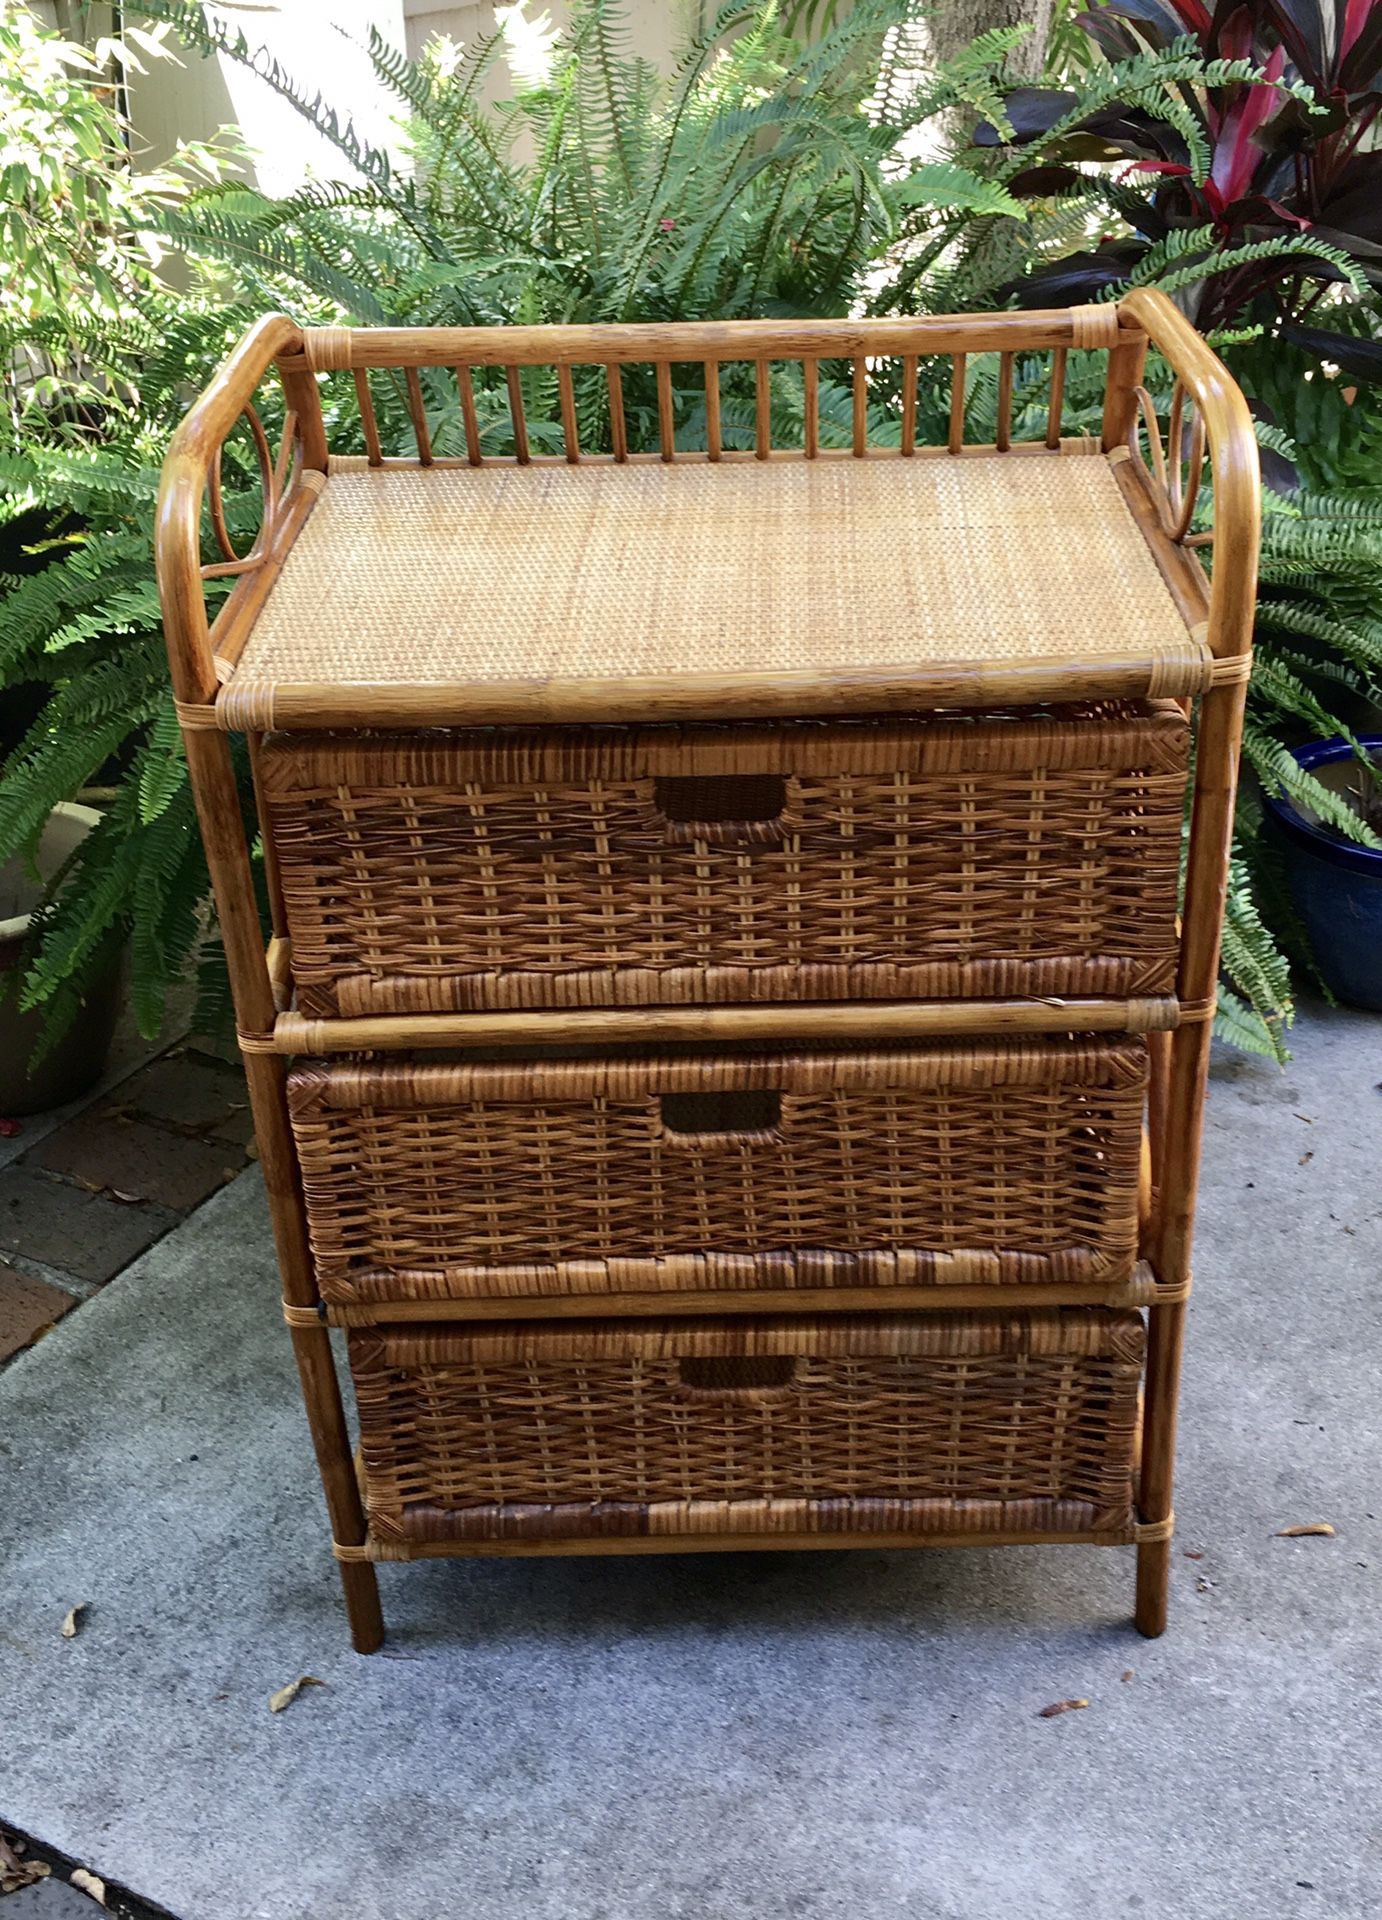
939 1423
944 1165
503 574
972 856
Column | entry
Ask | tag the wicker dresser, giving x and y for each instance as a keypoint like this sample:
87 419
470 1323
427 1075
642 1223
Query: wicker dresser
729 1050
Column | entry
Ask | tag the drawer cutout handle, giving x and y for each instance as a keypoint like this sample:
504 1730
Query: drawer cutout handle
723 809
740 1117
739 1376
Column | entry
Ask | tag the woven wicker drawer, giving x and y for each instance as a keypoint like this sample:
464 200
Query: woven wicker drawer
971 855
928 1423
945 1164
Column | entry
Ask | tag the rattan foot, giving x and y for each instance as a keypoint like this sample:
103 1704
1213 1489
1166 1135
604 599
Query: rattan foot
360 1584
1153 1583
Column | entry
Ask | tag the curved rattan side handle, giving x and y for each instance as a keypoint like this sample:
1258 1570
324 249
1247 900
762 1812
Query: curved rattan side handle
192 455
1224 419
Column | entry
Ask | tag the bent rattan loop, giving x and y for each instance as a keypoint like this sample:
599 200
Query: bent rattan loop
196 715
1192 1011
302 1316
1145 1532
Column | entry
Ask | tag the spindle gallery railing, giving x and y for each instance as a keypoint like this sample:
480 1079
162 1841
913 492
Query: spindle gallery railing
688 422
618 386
630 384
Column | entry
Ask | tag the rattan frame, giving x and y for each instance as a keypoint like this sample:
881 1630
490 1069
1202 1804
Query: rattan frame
202 658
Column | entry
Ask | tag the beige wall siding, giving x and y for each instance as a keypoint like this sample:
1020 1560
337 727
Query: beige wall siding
656 28
192 100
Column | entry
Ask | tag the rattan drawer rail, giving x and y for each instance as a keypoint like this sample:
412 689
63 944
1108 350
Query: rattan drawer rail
858 753
1140 1288
874 1020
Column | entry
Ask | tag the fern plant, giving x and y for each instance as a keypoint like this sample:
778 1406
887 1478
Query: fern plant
761 176
94 356
1318 658
751 180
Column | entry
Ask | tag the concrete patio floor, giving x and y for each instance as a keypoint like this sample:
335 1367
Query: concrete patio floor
702 1739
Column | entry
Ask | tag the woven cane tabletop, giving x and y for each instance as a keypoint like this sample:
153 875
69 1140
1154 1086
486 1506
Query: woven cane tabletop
518 586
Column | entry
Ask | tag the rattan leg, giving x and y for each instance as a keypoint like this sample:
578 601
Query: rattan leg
1153 1588
1165 1336
218 805
321 1391
322 1396
1177 1117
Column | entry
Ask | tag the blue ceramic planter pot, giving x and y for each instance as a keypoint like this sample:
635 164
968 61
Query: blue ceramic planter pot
1336 886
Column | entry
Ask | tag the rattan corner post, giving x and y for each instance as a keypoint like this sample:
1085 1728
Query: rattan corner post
842 834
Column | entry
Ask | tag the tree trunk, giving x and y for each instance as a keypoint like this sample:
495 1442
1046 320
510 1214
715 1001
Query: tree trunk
952 24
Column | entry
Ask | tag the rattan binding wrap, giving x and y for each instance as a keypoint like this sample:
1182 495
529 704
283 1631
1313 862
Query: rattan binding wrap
939 1423
964 856
941 1165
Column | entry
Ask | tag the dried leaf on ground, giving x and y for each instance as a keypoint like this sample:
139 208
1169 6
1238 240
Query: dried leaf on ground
1320 1527
1061 1706
72 1623
1128 1673
9 1129
1304 1158
1193 1553
87 1882
286 1695
16 1873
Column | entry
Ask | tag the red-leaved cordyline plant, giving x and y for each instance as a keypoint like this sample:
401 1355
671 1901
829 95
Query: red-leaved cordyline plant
1281 171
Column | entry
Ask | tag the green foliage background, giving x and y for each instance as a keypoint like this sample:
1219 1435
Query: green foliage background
762 176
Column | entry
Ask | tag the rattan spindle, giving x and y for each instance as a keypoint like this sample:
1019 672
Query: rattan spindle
666 432
762 409
749 1065
1005 403
367 417
1056 403
909 405
417 412
469 417
957 403
712 410
513 381
618 433
570 432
